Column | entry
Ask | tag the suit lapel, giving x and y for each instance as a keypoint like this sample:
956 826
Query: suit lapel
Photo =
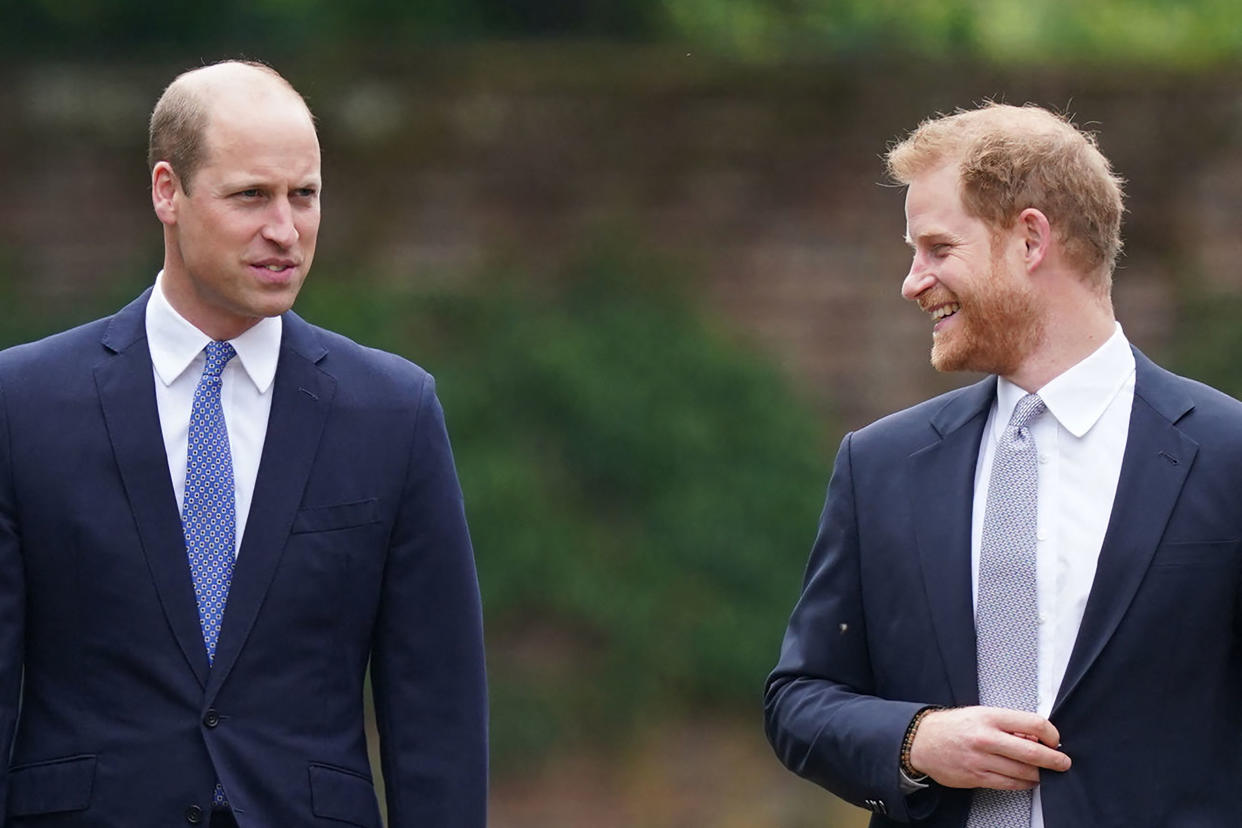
301 397
1157 460
943 478
126 386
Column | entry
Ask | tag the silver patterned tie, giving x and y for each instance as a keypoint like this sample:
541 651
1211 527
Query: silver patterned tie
1006 633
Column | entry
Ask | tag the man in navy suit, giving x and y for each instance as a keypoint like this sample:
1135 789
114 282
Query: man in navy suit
214 516
1066 532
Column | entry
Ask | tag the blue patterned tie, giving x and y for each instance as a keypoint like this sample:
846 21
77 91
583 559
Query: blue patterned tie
1006 634
208 513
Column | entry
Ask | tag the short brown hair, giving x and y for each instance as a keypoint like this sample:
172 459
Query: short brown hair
1012 158
179 122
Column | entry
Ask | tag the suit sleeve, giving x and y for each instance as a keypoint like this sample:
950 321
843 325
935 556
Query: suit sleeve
821 714
427 665
12 604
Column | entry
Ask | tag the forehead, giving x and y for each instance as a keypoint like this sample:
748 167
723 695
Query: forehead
266 134
934 204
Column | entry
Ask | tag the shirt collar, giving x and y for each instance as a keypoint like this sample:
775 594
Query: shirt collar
1079 396
174 343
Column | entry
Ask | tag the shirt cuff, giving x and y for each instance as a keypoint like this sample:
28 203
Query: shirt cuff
909 784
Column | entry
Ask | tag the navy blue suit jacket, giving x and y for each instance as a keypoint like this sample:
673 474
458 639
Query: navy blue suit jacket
1150 709
356 550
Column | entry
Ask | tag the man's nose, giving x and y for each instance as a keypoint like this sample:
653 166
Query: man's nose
279 227
919 279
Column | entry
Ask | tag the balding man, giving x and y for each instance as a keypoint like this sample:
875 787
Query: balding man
1024 604
214 515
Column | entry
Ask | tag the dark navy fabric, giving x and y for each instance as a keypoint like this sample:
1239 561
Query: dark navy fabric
1148 710
355 552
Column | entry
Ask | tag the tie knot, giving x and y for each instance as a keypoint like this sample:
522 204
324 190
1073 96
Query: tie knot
218 355
1027 409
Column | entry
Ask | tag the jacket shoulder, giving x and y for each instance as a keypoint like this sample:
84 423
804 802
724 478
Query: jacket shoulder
76 346
1192 405
367 370
913 428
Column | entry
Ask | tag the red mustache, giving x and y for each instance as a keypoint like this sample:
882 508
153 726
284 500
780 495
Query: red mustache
935 298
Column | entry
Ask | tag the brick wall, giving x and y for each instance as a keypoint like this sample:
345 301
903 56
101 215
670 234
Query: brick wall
764 181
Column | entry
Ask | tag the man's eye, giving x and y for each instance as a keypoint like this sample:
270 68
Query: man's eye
306 192
251 193
940 250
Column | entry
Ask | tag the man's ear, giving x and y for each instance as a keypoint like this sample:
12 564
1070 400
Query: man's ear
1036 234
164 188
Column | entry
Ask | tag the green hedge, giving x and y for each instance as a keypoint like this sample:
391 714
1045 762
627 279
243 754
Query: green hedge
642 492
1128 32
1209 347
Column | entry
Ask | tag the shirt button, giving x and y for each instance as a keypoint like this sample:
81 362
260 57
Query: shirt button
1041 535
1043 458
211 718
194 815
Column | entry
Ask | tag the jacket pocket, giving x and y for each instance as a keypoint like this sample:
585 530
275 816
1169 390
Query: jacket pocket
1197 553
53 786
344 796
338 516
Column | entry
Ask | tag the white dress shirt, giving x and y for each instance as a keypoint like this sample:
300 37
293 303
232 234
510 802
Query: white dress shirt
1080 441
177 358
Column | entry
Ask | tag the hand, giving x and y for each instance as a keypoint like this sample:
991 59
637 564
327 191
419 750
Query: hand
986 747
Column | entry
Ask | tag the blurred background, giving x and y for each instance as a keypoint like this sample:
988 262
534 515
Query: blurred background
646 248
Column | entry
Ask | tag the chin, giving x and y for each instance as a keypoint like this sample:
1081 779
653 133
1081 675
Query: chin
946 359
274 309
275 303
996 349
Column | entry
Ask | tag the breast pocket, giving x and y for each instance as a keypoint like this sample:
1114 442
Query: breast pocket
1211 553
337 516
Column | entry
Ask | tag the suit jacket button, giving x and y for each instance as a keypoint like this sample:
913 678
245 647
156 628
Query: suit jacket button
211 718
194 815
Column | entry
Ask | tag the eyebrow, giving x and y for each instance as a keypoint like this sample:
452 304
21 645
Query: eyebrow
239 184
932 237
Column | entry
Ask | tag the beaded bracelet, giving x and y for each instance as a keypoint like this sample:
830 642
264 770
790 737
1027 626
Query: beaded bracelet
907 742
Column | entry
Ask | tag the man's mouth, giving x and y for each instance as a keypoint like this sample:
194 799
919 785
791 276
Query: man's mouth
276 267
944 311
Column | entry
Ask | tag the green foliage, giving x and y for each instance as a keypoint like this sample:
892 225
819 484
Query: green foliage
642 493
1162 32
286 27
31 313
1209 347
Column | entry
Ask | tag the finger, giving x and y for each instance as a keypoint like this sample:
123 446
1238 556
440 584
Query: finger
1009 774
1024 723
1049 735
1033 754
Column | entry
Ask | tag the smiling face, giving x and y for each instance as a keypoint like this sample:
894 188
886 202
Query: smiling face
240 236
985 316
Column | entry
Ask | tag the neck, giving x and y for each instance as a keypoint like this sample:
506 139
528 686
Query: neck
1074 328
200 311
